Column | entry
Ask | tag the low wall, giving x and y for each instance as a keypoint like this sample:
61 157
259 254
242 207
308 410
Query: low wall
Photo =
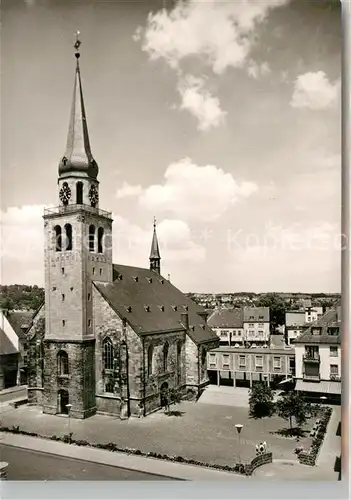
3 470
262 459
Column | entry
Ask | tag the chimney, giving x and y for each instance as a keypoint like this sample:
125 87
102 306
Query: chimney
184 317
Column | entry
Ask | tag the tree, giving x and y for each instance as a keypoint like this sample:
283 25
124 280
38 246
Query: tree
292 405
174 396
277 307
261 400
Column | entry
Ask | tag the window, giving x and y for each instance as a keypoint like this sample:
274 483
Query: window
260 317
277 362
165 356
238 333
91 238
100 271
62 270
252 317
100 239
89 323
150 355
213 362
63 297
242 361
224 333
334 370
260 332
63 322
68 242
89 296
109 386
58 238
251 325
333 350
93 270
225 360
62 363
251 332
79 193
260 325
259 361
107 352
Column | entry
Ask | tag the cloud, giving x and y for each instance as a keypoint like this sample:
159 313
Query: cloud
200 103
193 192
22 244
127 190
217 34
255 70
314 91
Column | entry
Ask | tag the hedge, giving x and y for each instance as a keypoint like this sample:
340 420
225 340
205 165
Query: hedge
309 457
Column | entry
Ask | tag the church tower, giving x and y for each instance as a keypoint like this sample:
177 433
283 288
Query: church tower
155 258
78 250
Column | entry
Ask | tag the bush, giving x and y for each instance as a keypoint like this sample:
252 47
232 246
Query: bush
81 442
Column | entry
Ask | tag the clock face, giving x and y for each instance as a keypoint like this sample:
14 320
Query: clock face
93 195
65 193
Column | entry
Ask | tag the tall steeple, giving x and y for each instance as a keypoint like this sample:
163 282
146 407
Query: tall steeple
78 158
155 258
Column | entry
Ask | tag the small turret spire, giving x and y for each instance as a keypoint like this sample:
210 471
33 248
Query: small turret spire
78 158
155 258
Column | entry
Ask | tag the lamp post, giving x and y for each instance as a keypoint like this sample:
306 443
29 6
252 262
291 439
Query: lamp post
238 428
69 406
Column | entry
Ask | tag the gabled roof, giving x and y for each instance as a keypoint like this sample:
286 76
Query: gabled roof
256 314
329 319
19 320
226 318
151 304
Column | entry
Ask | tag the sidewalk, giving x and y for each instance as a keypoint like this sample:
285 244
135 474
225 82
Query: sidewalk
131 462
331 447
15 388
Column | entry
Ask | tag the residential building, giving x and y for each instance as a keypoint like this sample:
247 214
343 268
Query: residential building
295 322
13 347
318 358
228 325
242 366
256 325
311 314
109 338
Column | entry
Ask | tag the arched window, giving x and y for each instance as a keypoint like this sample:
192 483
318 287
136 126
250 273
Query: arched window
165 356
107 352
62 363
68 242
150 355
91 238
58 238
79 193
100 239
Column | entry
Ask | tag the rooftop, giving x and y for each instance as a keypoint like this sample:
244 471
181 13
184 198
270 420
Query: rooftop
226 318
329 319
151 304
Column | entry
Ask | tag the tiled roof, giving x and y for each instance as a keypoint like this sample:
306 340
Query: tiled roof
256 314
151 304
327 320
226 318
19 319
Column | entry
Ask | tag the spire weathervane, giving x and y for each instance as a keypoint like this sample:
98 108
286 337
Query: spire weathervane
77 44
154 222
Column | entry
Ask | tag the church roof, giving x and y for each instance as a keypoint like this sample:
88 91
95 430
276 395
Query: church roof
78 158
20 322
151 304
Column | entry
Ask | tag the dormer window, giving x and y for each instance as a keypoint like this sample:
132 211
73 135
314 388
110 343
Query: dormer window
147 308
162 308
316 330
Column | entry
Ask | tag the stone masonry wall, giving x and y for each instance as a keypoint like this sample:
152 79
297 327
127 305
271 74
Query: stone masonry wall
35 361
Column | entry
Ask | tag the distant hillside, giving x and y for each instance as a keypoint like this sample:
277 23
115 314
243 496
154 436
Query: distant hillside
22 297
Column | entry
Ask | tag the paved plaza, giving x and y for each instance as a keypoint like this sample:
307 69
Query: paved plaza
202 432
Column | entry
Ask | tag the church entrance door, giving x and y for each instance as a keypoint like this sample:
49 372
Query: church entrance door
63 400
164 394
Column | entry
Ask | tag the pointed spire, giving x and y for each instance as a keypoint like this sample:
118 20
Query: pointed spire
78 157
155 258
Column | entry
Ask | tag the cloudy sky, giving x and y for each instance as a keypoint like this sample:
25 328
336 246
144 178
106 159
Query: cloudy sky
221 119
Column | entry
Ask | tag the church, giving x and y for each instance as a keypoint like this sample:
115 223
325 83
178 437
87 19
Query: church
109 338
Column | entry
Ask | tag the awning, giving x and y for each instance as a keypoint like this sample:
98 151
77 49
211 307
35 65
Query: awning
327 387
286 380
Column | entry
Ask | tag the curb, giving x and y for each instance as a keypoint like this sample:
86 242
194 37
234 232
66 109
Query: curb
116 459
